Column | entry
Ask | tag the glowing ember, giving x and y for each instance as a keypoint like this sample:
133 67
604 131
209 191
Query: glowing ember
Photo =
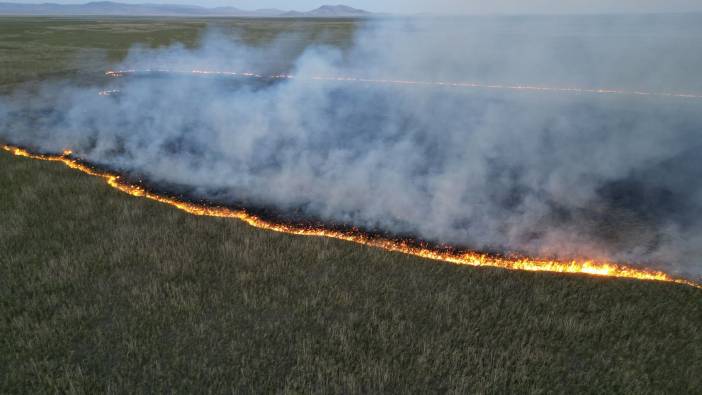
466 85
590 267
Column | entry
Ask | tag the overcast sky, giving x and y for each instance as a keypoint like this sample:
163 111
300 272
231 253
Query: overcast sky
448 6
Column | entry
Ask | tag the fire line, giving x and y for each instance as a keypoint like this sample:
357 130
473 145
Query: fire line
470 258
448 84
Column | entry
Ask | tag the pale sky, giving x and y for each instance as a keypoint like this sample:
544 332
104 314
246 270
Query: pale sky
447 6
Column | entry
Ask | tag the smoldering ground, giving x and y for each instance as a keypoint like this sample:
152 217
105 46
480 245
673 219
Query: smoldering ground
567 175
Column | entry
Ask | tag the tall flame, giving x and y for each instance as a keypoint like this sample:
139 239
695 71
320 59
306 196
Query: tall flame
590 267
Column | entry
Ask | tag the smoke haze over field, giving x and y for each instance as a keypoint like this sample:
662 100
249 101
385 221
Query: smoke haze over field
570 175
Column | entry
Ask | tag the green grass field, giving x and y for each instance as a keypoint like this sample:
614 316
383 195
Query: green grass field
101 292
34 49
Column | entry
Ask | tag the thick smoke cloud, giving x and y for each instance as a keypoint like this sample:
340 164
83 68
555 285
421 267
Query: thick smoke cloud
600 176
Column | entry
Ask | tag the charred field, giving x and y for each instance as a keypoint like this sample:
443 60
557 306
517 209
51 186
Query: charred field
104 292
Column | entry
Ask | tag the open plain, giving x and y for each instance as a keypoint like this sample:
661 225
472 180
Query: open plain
102 292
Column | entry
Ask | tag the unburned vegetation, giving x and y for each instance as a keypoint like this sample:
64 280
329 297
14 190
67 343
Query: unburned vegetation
102 292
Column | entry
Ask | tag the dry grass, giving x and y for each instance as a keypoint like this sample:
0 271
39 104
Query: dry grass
104 292
100 292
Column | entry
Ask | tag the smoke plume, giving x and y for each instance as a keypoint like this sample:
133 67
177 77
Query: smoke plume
559 174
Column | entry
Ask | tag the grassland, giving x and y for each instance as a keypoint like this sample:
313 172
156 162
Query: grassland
100 292
34 49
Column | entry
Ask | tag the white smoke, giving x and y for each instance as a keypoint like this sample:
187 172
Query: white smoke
543 173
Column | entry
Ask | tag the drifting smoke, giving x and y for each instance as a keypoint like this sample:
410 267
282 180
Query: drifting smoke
544 173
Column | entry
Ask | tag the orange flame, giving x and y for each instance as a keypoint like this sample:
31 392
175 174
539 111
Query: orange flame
589 267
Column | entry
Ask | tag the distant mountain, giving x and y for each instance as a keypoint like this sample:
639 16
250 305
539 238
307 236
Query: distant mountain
101 8
109 8
269 12
330 11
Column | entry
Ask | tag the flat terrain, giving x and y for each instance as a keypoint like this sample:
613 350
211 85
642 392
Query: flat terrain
101 292
81 48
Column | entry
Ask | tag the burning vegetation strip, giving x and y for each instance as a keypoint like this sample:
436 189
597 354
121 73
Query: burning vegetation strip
401 82
263 219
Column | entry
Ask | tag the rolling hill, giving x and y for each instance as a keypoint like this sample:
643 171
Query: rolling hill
110 8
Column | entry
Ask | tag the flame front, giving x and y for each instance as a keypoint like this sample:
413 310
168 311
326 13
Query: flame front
417 83
590 267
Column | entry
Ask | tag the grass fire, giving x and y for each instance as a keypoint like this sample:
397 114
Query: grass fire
588 267
338 201
413 83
